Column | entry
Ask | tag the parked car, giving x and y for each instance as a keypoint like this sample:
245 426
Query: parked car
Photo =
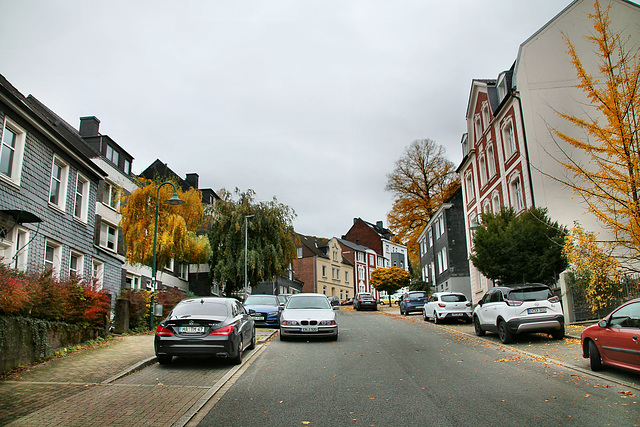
282 298
308 315
614 340
447 306
509 311
334 301
385 299
347 302
266 309
412 302
206 326
364 300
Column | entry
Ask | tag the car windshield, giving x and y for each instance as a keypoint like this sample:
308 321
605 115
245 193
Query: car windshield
530 294
453 298
365 296
261 300
417 295
282 299
309 302
197 308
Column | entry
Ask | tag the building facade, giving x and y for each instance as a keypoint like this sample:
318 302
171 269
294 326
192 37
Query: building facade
378 238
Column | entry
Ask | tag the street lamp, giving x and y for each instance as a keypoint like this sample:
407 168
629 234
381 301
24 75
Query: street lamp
173 201
246 290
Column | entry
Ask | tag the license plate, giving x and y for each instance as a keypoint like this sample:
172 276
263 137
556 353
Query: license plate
456 314
191 329
537 310
309 329
258 318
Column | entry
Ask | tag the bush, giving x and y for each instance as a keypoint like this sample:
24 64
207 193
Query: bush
140 303
42 296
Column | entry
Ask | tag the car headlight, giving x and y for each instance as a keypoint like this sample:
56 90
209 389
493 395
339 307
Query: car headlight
290 323
327 322
273 313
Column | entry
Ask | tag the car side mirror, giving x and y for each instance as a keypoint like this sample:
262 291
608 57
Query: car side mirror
252 311
602 323
480 303
335 307
281 307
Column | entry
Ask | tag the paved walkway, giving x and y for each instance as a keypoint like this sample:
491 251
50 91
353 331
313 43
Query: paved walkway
94 384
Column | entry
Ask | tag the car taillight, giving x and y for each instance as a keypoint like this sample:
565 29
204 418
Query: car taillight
468 303
162 331
554 299
513 303
442 305
225 330
408 300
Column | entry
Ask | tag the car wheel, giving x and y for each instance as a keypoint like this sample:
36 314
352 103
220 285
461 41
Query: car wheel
252 345
505 334
424 315
476 325
164 360
435 318
282 337
402 312
558 334
594 357
238 359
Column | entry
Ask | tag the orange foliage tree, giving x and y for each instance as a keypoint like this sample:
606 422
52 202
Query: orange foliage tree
177 226
389 279
609 180
422 180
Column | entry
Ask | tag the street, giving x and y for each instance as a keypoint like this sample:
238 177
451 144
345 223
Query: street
386 370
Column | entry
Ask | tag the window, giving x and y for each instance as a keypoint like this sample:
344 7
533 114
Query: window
485 115
52 254
13 248
97 272
76 264
58 189
133 281
82 198
430 236
469 186
108 236
111 195
127 167
482 165
360 257
324 289
508 139
184 271
11 152
477 127
112 155
491 161
346 280
360 272
517 201
442 260
486 206
495 200
324 271
299 252
335 255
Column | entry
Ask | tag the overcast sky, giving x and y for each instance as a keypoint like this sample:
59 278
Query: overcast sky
310 101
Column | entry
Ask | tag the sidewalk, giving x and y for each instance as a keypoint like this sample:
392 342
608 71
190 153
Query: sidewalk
63 391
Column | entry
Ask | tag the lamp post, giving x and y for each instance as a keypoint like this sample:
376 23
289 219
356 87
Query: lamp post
173 201
246 217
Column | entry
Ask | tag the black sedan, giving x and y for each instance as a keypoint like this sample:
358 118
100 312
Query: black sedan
207 326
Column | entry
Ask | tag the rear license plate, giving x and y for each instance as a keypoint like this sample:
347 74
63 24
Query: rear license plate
537 310
308 329
456 314
191 329
258 318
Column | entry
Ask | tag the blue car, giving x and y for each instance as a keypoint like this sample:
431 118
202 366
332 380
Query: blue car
266 307
412 302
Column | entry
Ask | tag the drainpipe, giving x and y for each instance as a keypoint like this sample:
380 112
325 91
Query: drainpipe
514 93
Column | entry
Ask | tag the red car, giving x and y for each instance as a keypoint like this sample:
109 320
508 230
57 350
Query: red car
615 340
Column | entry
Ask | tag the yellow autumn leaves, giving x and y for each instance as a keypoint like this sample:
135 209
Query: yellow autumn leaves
177 226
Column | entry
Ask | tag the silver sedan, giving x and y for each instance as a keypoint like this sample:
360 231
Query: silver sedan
308 315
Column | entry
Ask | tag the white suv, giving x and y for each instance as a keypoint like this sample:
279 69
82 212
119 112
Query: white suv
512 310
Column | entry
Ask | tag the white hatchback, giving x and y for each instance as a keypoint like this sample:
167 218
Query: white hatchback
447 305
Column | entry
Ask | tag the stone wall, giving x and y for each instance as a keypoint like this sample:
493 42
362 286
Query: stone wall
24 340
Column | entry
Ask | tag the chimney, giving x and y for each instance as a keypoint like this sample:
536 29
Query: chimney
379 225
89 126
192 180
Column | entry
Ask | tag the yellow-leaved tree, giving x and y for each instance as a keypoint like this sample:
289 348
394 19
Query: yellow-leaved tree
390 279
422 180
609 180
596 272
177 226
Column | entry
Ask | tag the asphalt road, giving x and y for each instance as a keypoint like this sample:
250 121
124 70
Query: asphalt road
389 371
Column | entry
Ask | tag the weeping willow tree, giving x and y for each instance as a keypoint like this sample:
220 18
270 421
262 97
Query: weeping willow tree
177 226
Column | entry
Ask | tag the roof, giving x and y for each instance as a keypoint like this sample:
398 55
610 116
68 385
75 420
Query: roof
354 246
314 244
49 124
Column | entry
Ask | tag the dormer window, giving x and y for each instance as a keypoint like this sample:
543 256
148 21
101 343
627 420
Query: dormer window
485 115
503 90
112 155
